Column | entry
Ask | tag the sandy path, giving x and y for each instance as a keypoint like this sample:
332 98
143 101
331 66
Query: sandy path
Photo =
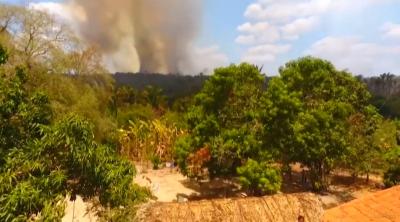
165 183
78 211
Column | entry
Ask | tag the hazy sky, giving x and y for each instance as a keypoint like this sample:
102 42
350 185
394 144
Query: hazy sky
360 35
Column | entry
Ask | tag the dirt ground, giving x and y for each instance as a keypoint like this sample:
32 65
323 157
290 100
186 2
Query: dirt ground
345 188
78 211
165 184
168 184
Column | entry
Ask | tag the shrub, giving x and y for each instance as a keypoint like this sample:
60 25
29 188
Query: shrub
156 161
392 176
197 161
259 178
182 150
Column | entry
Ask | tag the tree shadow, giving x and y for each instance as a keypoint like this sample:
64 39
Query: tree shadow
212 189
293 183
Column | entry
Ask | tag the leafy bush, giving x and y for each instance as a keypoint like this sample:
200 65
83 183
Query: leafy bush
64 160
156 161
196 163
182 150
392 176
259 178
135 113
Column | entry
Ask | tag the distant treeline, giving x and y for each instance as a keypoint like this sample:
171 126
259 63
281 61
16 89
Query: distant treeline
173 86
386 93
384 88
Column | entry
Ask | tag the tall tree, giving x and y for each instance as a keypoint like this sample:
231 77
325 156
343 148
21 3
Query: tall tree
35 32
307 115
225 129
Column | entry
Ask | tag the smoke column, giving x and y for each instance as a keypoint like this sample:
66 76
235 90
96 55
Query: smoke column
145 35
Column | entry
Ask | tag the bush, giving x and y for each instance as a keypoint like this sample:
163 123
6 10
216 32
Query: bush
392 176
259 178
182 149
65 159
135 113
156 161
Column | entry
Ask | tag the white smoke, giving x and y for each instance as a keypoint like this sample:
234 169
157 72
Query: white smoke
145 35
141 35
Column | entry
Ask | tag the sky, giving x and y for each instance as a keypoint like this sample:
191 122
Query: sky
362 36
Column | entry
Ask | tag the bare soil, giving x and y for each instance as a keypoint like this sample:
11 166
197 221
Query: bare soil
78 211
168 184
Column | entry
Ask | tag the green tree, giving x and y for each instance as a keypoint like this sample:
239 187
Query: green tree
154 96
364 155
224 122
307 112
125 96
41 161
392 174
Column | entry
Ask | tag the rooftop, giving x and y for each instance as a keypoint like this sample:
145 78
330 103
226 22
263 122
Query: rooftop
276 208
383 206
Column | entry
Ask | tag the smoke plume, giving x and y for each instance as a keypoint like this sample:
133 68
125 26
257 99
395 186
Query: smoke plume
141 35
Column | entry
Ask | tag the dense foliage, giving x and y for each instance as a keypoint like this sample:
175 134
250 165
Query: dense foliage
310 114
315 115
41 161
386 93
224 119
144 140
225 130
259 178
392 174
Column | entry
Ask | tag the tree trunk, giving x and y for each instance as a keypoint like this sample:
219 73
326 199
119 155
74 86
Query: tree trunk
354 176
319 177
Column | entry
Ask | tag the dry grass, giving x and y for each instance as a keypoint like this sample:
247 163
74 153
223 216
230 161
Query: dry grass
277 208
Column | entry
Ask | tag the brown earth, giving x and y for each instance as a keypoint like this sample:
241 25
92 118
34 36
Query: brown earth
168 184
78 211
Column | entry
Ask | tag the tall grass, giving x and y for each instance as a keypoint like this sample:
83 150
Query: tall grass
143 140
